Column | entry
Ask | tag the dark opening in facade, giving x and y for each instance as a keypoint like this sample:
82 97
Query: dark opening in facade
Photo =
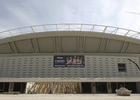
19 87
101 87
121 67
86 87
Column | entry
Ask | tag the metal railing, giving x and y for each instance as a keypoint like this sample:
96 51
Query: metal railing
70 27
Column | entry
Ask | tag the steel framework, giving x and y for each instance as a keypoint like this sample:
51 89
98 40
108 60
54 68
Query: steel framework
70 27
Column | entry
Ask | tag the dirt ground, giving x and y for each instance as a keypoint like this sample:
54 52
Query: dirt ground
69 97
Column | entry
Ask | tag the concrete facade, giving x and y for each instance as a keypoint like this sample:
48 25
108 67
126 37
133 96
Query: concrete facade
30 58
42 67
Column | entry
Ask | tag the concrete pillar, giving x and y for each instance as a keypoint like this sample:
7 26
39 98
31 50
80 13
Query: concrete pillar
138 87
93 88
52 88
11 86
117 85
109 89
80 84
73 88
3 87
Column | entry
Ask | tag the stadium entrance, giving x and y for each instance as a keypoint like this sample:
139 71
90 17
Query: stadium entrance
12 87
4 87
86 87
101 87
19 87
66 87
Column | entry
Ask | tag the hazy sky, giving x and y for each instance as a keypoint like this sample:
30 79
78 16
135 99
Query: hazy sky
21 13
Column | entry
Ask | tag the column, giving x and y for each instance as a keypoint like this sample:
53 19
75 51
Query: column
80 84
93 88
109 87
11 86
138 87
52 88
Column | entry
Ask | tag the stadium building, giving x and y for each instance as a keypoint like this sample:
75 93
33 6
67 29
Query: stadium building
85 58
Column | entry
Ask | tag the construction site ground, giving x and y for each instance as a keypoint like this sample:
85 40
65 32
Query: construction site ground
68 97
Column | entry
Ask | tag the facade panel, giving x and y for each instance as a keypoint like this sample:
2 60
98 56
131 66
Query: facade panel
42 66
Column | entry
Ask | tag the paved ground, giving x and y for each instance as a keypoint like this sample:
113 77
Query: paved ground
69 97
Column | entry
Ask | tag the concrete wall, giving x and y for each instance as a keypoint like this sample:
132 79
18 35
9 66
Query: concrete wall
138 87
42 67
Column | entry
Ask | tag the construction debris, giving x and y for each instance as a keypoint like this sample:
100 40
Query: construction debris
123 91
57 88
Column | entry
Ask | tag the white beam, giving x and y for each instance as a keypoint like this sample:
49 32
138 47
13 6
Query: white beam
15 46
69 27
128 47
56 28
92 28
102 39
54 44
106 45
77 44
37 45
115 31
123 46
45 28
81 28
84 44
10 33
127 32
60 50
104 29
32 29
77 79
137 35
31 45
10 47
22 31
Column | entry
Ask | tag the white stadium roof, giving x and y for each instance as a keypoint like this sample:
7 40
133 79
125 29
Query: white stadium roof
69 38
70 27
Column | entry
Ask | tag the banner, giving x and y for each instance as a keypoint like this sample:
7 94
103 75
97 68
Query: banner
69 61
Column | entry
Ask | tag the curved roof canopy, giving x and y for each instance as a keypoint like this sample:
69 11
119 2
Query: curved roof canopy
69 38
70 27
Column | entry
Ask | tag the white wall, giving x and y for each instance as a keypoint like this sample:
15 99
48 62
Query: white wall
42 66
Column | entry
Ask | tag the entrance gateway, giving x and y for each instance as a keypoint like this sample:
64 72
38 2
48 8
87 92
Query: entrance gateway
60 87
86 88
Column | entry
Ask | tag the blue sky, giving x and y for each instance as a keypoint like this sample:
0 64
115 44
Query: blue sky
21 13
